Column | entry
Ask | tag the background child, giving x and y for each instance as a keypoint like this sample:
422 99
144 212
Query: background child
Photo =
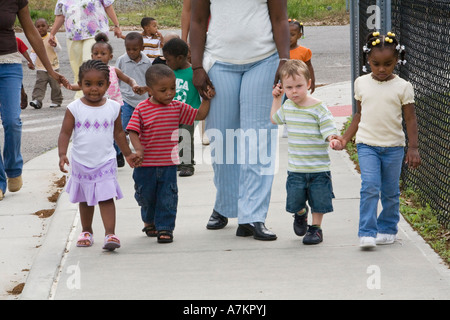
298 52
103 51
23 49
175 52
310 124
95 122
134 64
382 97
153 39
152 129
42 77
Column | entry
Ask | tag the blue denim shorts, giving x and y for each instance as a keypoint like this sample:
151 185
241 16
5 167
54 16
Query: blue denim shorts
316 188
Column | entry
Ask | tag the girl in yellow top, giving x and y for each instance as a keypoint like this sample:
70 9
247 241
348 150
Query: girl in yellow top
382 97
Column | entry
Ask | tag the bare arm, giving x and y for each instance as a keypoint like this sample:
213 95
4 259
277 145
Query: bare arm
199 22
280 27
112 15
134 138
351 130
313 77
203 110
59 21
185 19
35 40
277 94
64 138
412 155
120 137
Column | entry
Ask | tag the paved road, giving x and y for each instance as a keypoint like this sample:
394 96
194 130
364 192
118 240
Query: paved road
331 60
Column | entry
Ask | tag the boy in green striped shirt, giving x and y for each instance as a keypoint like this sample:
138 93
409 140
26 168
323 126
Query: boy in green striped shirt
310 126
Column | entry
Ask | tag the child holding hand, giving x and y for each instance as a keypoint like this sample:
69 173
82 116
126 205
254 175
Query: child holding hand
310 125
383 100
153 130
96 124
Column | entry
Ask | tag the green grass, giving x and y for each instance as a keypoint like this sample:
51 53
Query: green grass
417 213
168 12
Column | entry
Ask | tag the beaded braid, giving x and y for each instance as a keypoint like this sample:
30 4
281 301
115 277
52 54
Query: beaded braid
376 40
93 65
298 24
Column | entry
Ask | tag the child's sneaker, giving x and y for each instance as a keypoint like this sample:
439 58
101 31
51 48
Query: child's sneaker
385 238
301 223
313 236
367 242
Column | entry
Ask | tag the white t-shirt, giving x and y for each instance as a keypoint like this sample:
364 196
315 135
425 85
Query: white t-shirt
239 32
381 110
93 133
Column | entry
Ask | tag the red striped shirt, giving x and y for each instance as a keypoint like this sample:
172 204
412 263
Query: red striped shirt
157 126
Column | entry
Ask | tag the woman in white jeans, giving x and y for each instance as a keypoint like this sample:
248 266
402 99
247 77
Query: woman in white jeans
237 48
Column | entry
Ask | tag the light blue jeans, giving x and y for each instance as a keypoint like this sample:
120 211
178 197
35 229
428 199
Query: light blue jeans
243 160
380 177
11 163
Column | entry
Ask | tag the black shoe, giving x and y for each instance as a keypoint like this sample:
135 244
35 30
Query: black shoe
301 223
313 236
216 221
120 160
257 229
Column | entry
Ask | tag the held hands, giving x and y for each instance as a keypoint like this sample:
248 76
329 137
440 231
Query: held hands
337 142
134 159
139 90
277 91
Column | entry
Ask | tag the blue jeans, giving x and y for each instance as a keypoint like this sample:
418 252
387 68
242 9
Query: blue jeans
125 114
11 163
380 176
156 192
243 100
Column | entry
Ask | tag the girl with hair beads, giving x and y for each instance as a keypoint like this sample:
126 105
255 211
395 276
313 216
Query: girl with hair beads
298 52
95 122
101 50
382 97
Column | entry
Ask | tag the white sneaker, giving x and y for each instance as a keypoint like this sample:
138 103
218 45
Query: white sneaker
367 242
385 238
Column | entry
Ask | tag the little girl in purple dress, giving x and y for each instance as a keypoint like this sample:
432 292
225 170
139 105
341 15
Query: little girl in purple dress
95 122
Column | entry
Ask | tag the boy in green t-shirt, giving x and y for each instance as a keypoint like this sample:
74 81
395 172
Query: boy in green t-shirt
175 52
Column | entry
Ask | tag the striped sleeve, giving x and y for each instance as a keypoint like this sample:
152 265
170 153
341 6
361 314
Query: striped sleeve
135 121
187 114
278 117
326 123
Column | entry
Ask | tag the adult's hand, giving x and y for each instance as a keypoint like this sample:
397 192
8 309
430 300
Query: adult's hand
203 84
60 78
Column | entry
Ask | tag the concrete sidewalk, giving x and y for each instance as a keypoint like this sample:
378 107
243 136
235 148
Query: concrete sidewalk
211 265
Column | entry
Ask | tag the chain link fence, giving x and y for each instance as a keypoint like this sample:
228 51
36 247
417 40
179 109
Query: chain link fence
423 27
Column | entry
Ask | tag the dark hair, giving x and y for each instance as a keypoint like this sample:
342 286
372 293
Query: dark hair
146 21
293 22
156 72
176 47
93 65
102 38
134 36
377 40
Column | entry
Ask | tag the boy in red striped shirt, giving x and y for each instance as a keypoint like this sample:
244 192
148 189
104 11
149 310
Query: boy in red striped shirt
153 130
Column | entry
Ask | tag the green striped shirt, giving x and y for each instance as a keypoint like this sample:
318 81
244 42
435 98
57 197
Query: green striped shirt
308 129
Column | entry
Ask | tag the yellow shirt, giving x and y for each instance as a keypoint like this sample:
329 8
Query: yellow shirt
51 53
381 110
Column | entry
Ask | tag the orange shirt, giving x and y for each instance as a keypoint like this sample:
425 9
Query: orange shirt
301 53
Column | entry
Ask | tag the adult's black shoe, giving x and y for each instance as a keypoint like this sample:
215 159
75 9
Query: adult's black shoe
216 221
257 229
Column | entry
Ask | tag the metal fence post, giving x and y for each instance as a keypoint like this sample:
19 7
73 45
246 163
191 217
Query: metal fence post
354 43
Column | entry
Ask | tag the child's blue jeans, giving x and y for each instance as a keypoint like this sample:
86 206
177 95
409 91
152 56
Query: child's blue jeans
380 176
156 192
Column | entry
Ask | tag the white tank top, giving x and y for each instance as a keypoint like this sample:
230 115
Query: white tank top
93 133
